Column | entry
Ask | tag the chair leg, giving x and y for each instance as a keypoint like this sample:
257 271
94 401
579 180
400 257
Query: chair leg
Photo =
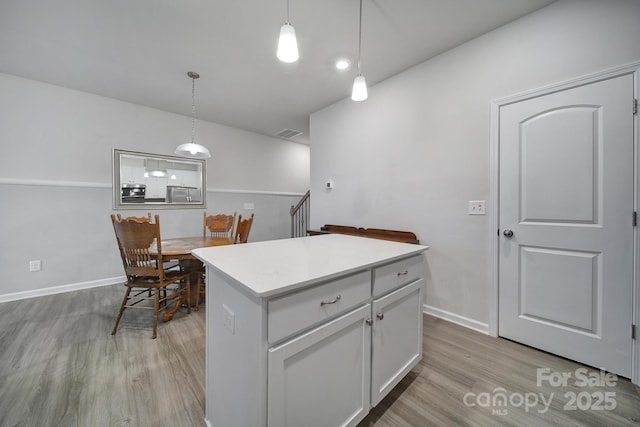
189 294
198 284
156 310
122 307
163 296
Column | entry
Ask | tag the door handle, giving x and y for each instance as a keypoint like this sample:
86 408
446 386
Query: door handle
508 233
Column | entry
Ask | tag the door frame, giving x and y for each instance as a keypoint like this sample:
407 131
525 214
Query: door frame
494 195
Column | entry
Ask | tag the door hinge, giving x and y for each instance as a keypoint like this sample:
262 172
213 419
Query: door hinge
635 106
635 218
633 332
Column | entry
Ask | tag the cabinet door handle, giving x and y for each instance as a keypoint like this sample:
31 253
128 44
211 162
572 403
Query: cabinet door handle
404 273
369 322
380 316
333 301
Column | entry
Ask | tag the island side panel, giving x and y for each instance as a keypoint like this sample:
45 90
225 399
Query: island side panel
236 362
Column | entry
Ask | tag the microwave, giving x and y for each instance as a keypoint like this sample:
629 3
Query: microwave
133 193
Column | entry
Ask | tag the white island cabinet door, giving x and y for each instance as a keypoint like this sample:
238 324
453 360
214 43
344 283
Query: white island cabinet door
397 338
322 378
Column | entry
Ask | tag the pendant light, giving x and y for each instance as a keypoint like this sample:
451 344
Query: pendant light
359 92
287 44
191 149
155 167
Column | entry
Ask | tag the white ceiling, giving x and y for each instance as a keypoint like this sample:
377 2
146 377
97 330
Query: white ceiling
139 51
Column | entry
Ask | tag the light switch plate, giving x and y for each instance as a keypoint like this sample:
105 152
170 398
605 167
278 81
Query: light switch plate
476 207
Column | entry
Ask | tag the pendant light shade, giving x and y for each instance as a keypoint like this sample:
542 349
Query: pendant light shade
156 168
287 43
359 92
191 149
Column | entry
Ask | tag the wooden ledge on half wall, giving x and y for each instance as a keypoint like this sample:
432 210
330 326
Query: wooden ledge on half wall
373 233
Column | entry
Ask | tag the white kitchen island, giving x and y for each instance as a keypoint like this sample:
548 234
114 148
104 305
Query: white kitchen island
312 331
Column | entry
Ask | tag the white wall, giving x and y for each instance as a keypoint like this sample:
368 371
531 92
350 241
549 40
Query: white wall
60 141
414 154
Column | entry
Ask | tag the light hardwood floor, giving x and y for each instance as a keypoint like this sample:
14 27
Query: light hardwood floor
59 366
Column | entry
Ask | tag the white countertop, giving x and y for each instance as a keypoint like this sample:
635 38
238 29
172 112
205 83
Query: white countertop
276 266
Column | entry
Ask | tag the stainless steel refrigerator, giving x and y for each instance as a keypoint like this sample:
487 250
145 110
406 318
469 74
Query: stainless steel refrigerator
177 194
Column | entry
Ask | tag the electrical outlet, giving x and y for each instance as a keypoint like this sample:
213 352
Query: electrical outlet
229 319
476 207
249 206
35 265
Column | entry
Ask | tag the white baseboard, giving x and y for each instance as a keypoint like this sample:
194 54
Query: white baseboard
60 289
457 319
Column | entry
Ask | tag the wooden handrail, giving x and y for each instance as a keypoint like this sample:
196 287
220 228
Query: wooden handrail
301 209
296 208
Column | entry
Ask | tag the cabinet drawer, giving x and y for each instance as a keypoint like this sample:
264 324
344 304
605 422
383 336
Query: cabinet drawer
297 311
394 275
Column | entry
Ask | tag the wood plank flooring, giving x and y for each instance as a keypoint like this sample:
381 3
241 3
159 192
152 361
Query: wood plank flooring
459 362
59 366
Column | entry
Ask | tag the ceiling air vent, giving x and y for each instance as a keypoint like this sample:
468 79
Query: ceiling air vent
288 133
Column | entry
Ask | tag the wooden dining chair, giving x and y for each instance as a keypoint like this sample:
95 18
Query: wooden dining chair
243 229
140 248
219 226
167 264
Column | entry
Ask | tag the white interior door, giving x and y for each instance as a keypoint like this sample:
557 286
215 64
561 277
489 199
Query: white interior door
566 227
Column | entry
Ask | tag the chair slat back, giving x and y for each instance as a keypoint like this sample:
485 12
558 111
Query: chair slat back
219 226
243 229
135 239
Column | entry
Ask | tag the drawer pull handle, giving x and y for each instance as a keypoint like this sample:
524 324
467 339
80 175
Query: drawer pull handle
369 322
404 273
333 301
380 316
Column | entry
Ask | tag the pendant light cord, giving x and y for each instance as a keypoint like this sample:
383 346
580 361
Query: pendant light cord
192 149
359 38
193 109
288 12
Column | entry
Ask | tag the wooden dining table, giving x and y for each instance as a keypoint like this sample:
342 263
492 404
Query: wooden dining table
179 249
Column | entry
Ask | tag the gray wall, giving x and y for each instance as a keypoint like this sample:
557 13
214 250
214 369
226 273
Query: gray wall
55 181
414 154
